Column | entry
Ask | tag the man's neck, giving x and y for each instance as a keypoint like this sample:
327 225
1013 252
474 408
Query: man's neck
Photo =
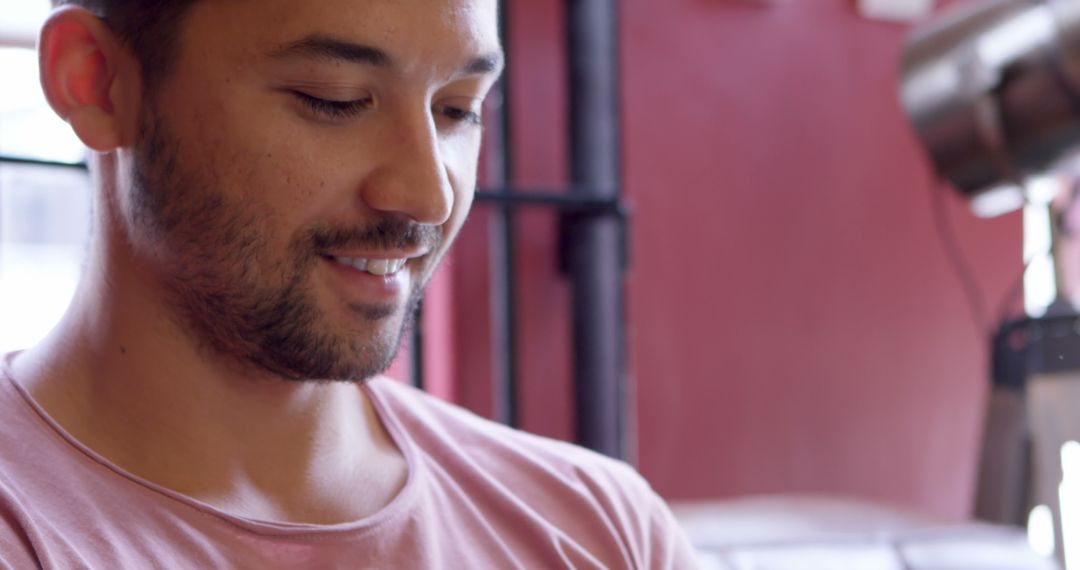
122 377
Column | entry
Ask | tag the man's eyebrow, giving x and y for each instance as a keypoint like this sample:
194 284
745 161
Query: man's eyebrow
485 64
326 47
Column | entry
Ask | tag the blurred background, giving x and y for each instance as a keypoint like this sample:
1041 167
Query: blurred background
44 211
793 320
806 308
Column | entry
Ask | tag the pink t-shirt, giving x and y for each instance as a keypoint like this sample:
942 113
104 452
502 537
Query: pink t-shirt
478 495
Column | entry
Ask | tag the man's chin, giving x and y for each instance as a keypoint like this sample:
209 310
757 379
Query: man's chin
363 357
347 368
376 315
354 345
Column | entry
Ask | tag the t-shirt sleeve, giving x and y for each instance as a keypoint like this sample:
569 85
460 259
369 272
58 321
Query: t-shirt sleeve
666 543
654 537
16 549
15 552
670 548
5 565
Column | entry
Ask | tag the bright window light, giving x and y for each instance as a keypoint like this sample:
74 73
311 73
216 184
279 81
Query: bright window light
44 222
1039 279
1069 497
44 210
21 20
1040 531
28 126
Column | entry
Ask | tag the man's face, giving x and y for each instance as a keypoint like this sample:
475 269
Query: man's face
302 169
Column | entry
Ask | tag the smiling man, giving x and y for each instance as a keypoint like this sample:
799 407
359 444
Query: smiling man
276 180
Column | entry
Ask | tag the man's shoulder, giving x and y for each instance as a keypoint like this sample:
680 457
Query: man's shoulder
545 470
593 498
16 529
424 415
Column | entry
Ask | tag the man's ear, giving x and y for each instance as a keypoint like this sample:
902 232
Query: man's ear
80 61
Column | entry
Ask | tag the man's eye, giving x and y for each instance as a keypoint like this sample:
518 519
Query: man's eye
332 109
461 115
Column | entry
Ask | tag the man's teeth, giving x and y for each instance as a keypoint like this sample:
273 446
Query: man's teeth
373 266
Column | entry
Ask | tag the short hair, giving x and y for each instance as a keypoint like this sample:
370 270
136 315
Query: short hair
149 29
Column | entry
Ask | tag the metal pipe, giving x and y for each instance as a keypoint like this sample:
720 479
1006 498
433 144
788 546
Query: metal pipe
11 37
567 201
416 349
594 256
42 162
502 247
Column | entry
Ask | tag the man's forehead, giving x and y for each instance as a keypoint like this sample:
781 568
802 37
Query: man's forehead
469 23
449 38
332 49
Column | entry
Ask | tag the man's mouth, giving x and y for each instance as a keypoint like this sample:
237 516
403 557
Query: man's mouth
380 267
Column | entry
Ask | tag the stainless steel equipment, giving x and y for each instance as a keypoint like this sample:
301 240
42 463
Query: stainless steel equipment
993 89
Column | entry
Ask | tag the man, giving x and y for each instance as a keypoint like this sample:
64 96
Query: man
276 180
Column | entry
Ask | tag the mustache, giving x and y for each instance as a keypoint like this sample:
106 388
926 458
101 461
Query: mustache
386 233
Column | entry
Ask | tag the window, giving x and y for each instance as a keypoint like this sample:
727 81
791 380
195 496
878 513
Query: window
44 210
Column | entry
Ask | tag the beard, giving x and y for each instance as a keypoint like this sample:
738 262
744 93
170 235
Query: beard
237 297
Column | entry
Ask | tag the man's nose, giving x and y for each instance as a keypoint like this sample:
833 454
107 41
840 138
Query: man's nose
411 177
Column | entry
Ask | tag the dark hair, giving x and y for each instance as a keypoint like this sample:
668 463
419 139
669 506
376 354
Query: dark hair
149 28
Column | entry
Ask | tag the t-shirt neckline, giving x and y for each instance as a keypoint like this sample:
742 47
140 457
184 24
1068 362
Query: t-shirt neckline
400 505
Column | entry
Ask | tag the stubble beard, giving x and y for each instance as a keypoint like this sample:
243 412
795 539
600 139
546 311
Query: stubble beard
225 288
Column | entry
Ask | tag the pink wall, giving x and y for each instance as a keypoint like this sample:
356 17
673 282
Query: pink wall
794 323
538 87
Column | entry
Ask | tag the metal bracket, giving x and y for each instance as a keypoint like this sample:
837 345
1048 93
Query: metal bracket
24 161
572 210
